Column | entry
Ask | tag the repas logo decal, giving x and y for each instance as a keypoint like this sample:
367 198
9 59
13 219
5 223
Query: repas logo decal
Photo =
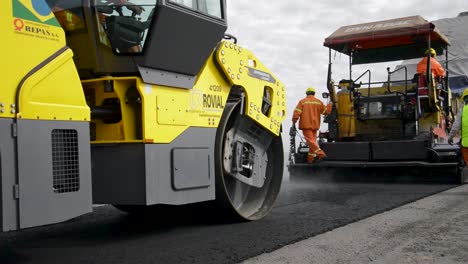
19 24
34 18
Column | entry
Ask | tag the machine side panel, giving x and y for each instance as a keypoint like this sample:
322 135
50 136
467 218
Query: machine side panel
347 150
8 205
54 171
161 173
400 150
118 173
190 168
180 172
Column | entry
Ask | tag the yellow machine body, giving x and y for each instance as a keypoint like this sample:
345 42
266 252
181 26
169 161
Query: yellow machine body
51 91
346 117
430 121
167 112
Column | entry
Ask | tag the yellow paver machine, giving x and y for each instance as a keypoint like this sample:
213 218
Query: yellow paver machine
398 121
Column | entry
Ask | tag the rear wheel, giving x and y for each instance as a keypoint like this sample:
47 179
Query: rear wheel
248 166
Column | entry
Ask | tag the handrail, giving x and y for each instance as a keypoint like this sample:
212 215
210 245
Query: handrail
367 71
368 88
389 79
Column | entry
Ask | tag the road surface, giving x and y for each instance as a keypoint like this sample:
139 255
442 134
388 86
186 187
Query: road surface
303 210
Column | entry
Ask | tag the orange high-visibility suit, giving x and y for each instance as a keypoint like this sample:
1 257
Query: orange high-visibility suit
436 68
308 111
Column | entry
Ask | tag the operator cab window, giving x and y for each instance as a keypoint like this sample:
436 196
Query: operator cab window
209 7
170 35
123 25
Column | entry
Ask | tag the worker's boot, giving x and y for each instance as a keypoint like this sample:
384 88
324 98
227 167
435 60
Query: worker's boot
320 154
311 158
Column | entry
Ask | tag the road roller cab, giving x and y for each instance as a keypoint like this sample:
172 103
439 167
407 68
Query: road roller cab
111 38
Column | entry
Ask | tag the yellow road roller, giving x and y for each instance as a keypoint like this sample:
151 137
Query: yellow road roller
133 104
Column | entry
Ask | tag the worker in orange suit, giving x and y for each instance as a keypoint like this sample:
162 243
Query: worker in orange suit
308 111
436 69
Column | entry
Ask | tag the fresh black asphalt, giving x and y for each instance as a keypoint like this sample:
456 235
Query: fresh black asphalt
303 209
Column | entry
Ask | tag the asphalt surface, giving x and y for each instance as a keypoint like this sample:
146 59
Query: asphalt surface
303 210
427 231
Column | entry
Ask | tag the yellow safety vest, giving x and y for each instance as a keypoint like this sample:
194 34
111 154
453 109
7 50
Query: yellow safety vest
464 127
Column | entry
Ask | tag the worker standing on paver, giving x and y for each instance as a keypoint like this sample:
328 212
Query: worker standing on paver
308 111
436 68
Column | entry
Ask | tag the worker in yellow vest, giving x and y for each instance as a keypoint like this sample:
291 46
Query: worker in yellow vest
461 124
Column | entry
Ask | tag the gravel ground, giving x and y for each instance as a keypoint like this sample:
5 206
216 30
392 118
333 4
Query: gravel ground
431 230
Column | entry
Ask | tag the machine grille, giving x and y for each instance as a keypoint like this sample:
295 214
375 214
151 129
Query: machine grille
65 165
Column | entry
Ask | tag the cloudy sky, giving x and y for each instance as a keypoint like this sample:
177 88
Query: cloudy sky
287 36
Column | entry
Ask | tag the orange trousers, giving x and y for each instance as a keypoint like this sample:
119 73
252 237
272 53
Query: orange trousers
314 149
465 155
